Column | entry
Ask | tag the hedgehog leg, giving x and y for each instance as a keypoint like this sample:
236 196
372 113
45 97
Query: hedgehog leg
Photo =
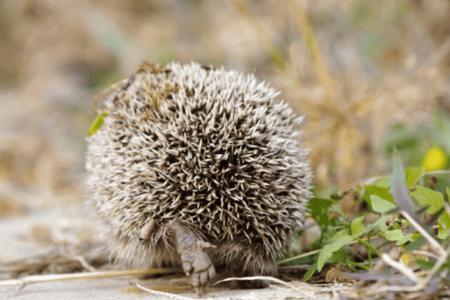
194 259
146 230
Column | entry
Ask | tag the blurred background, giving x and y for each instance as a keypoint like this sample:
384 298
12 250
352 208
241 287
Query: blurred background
368 75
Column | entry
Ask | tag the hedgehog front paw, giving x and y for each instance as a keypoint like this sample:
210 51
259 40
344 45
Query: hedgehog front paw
197 263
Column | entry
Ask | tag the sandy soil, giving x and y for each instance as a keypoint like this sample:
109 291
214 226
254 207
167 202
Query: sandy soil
17 243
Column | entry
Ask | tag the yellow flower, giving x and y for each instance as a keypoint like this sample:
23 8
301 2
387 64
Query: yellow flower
406 259
435 159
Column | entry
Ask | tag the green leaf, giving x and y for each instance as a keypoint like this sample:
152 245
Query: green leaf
397 236
319 208
416 244
427 197
448 193
312 269
381 223
384 182
337 236
98 122
357 226
413 175
341 239
382 192
339 257
380 205
424 264
444 226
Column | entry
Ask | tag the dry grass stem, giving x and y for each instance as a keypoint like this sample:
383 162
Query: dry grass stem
82 276
298 256
312 44
400 267
107 91
271 279
276 55
84 263
434 244
374 179
421 283
165 294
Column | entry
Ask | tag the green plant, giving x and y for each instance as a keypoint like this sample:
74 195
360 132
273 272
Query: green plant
400 215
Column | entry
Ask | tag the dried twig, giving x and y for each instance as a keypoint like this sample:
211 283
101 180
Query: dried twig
420 282
84 263
88 275
434 244
311 42
107 91
425 253
374 179
168 295
400 267
271 279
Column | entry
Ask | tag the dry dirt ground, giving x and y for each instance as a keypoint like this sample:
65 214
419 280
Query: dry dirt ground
111 289
17 243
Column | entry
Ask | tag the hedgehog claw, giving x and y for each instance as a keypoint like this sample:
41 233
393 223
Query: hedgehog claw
195 261
205 245
197 264
187 268
200 291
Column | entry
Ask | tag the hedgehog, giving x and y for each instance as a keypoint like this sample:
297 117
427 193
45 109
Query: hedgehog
200 168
